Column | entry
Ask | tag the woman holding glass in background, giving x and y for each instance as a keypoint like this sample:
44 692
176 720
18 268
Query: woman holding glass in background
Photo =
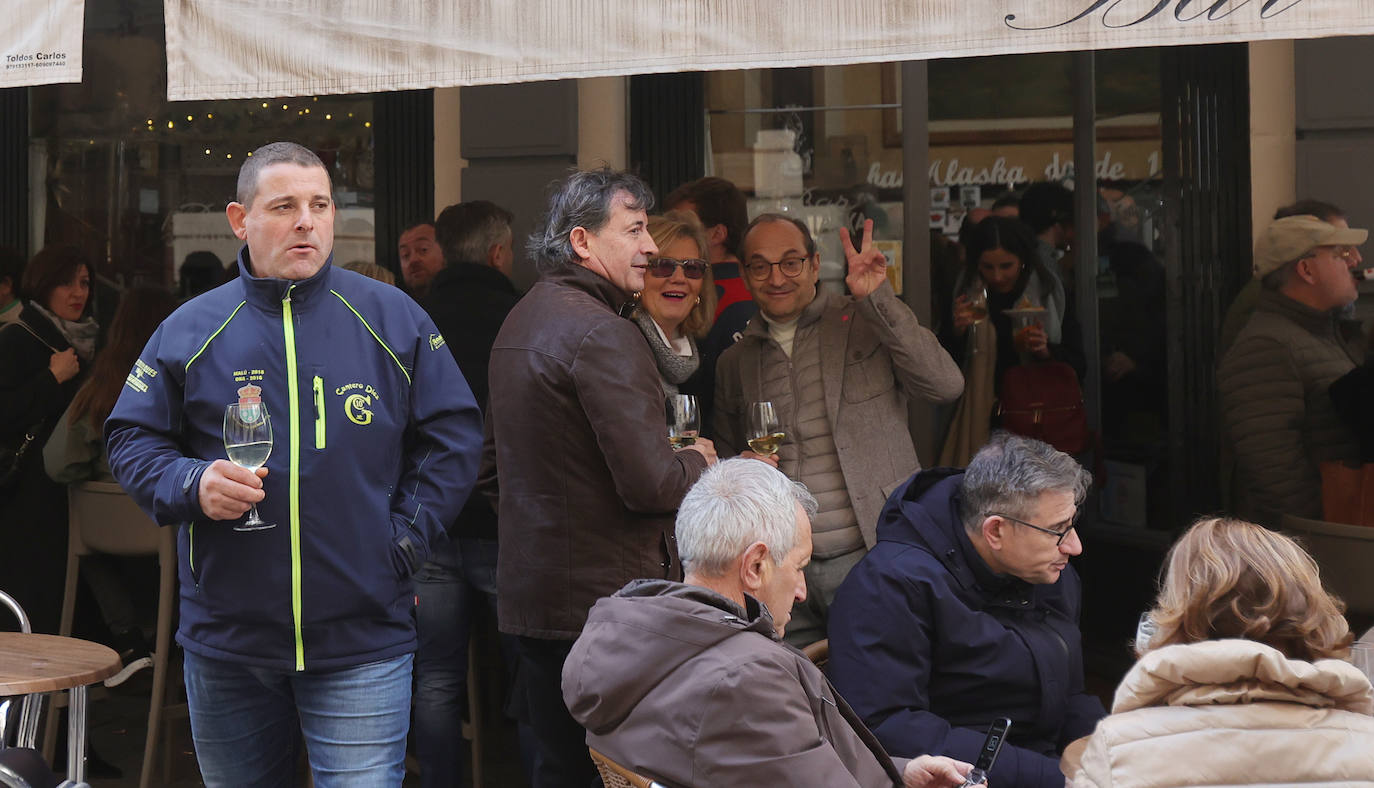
1008 309
1245 680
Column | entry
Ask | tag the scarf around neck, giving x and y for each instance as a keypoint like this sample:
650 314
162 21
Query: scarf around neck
80 334
673 368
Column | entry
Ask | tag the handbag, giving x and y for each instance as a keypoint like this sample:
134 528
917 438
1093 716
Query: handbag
1348 493
12 455
1044 401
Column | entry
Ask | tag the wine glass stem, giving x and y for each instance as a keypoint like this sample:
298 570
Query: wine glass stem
253 517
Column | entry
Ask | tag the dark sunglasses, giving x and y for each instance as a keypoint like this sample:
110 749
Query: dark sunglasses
663 267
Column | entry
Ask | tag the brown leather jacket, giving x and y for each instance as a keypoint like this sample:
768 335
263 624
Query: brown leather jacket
578 440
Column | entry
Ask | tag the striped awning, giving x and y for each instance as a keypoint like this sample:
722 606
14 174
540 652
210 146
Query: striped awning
258 48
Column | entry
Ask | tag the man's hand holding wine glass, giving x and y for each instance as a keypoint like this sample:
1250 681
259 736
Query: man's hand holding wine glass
227 490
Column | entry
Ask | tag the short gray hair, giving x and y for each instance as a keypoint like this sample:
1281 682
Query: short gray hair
734 504
1008 474
583 199
266 156
466 231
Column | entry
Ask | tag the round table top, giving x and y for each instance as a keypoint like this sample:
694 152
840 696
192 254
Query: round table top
44 663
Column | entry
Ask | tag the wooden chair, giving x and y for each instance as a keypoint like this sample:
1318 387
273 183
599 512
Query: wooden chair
103 519
613 775
1345 554
818 653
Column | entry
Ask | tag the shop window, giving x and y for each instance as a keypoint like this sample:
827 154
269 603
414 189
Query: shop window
141 183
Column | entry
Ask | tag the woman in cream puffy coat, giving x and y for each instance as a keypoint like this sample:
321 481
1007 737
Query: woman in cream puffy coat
1245 682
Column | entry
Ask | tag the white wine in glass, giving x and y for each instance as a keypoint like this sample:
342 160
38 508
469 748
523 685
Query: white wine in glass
248 444
684 420
978 302
765 431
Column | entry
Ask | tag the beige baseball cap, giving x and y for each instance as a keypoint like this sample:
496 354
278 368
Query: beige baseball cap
1292 237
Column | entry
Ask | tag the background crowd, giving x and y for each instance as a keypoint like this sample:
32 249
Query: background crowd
649 598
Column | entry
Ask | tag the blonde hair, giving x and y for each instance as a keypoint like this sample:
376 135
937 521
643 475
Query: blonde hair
666 230
1229 578
371 270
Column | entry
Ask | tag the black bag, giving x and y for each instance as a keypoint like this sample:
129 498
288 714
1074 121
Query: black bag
12 452
12 457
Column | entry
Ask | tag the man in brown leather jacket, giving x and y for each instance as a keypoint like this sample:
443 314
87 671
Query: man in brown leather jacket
578 441
687 682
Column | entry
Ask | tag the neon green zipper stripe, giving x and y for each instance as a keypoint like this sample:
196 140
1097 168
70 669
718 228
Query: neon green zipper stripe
212 336
374 335
289 332
319 411
191 550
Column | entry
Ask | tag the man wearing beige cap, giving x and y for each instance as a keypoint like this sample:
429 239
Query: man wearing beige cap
1276 412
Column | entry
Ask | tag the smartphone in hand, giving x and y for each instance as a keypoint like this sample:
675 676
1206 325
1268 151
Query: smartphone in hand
987 756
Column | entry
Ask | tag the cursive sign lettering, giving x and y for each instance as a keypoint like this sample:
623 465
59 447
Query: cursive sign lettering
1118 13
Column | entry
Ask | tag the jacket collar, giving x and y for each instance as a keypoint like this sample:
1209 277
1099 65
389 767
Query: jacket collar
593 284
1229 672
473 274
1312 320
267 293
758 325
925 513
42 327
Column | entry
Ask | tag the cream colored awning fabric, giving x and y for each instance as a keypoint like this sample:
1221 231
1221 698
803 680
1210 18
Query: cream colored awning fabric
260 48
40 42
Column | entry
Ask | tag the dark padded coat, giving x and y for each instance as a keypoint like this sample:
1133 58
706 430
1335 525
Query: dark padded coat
1276 406
929 645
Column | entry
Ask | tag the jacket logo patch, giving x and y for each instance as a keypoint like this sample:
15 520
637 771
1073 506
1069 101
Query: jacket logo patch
355 408
436 341
357 404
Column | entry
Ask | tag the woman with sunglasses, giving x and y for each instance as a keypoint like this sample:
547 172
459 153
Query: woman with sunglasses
678 299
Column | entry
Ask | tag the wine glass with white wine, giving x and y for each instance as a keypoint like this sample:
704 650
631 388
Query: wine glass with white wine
248 444
765 431
684 420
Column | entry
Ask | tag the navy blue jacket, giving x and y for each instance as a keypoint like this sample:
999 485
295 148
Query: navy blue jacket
929 645
376 442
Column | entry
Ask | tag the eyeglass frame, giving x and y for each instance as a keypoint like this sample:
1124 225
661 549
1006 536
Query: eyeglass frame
1342 252
799 260
1060 535
701 271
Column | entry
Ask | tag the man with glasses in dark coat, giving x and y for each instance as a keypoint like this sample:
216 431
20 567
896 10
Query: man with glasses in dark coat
967 610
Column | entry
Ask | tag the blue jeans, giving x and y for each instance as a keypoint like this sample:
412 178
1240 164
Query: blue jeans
244 722
449 588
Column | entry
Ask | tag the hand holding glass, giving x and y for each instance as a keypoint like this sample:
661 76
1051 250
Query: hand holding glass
248 444
765 431
684 420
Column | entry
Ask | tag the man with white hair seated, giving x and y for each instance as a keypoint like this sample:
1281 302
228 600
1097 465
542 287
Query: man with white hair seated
688 683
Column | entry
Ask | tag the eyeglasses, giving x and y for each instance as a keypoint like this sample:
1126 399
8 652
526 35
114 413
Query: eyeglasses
663 267
759 270
1060 536
1342 253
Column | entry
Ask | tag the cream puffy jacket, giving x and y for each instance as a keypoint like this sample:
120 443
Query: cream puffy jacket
1234 712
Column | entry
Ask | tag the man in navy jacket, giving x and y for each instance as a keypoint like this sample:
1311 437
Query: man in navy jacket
376 439
966 610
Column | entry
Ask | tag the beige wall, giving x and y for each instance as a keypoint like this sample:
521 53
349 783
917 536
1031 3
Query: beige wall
448 159
602 122
1273 130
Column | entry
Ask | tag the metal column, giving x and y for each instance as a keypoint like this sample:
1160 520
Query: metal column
916 230
1085 226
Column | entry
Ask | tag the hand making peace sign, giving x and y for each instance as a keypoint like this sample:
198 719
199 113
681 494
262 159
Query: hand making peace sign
867 267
